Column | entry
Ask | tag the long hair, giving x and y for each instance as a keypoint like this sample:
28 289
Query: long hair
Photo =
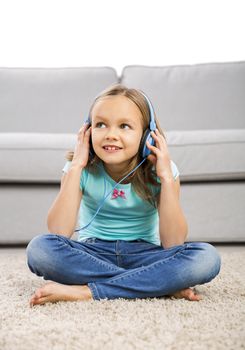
146 173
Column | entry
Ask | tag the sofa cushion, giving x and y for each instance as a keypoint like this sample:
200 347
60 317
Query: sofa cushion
193 97
208 155
53 100
33 157
199 155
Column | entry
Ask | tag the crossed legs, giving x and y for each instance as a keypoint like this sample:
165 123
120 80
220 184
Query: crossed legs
77 273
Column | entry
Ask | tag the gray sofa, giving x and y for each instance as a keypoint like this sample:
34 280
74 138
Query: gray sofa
201 109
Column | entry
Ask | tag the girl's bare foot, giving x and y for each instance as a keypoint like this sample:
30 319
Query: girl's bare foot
188 294
53 291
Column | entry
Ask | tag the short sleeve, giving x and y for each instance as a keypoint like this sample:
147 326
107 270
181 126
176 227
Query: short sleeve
175 170
84 175
67 166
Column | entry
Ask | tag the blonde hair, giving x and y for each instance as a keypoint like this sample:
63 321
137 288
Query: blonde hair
145 174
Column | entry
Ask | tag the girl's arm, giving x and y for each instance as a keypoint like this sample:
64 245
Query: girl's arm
172 223
173 226
62 216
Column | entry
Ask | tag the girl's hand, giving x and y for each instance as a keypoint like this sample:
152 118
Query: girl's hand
81 153
160 156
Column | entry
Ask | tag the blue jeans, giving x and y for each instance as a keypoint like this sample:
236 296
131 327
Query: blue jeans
122 269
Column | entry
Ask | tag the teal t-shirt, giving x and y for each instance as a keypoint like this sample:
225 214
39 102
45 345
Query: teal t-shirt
126 217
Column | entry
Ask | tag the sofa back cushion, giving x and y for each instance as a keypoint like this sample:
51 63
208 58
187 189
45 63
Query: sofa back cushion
192 97
53 100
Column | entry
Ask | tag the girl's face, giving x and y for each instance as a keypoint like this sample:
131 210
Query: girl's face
116 121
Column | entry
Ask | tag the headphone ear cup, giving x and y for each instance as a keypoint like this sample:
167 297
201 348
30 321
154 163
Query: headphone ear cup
143 149
91 150
142 141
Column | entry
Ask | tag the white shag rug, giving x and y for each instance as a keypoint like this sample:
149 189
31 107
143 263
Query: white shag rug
216 322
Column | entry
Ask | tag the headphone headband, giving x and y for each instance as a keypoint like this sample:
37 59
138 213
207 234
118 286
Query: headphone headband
152 125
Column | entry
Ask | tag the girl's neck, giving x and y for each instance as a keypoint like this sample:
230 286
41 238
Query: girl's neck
115 172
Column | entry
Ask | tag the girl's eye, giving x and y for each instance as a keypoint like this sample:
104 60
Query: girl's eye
126 124
98 124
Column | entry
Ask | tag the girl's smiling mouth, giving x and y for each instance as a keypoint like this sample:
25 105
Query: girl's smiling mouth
111 148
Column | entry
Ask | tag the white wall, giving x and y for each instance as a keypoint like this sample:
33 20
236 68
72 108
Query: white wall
72 33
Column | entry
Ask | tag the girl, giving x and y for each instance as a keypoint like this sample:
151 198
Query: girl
119 252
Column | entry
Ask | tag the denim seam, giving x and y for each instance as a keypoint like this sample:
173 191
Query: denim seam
99 290
63 239
94 290
144 268
109 254
116 241
103 263
145 252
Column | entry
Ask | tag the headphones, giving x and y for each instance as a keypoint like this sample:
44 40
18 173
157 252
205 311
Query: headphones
143 150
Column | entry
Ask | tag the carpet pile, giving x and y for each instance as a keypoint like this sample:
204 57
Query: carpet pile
216 322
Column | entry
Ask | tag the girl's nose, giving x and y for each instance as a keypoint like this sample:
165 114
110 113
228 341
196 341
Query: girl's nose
112 134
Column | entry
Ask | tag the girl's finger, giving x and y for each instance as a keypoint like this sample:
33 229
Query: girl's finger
153 148
148 144
84 126
160 135
156 138
153 134
87 132
81 131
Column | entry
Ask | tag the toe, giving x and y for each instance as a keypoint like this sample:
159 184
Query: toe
38 294
40 301
195 297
